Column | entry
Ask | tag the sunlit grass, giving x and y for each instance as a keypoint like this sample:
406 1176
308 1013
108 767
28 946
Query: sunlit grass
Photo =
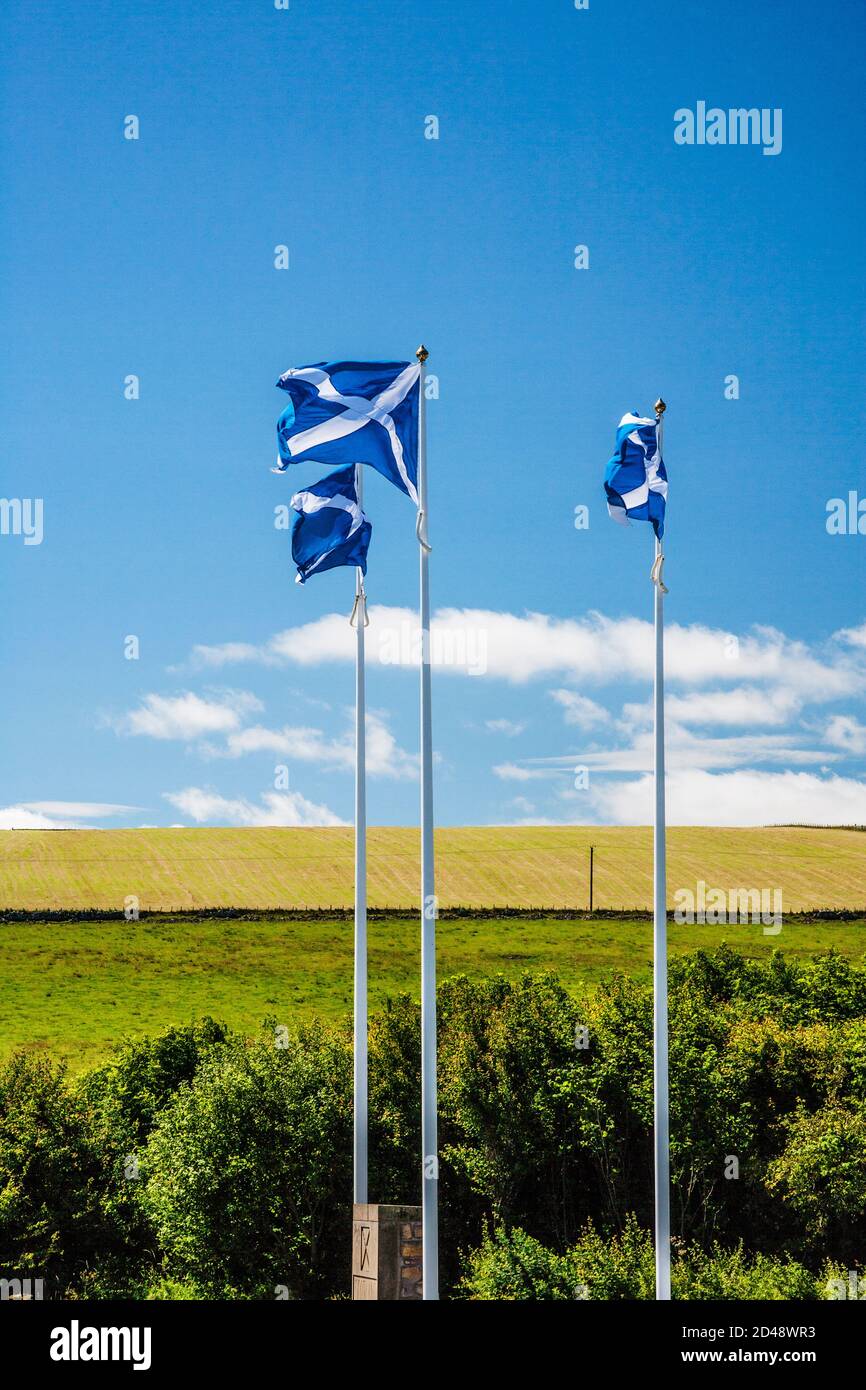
75 987
491 866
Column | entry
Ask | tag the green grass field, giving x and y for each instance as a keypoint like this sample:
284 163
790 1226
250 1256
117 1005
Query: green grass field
75 988
184 869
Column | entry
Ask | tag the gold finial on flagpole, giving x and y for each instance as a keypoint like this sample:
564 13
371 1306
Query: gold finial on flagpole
422 354
659 407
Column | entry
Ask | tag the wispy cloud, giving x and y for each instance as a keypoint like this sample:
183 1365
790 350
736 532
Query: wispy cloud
192 718
739 747
517 772
59 815
511 728
743 706
593 650
852 636
580 710
202 805
744 797
188 716
847 733
385 757
687 750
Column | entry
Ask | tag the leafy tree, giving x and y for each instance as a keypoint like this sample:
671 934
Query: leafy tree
53 1179
821 1173
143 1075
243 1181
248 1173
509 1069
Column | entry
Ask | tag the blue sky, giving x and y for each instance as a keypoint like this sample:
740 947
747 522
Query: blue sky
306 127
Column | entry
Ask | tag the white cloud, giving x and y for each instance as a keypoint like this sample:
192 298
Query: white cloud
188 716
744 797
325 639
58 815
579 709
92 810
683 749
274 808
514 772
385 758
509 727
305 745
744 705
852 636
227 654
592 649
738 741
19 818
194 718
847 733
531 820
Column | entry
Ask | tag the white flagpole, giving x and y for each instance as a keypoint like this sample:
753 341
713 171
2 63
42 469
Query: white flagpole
660 947
359 619
429 1143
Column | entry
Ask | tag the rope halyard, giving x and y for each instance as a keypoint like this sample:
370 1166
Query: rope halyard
359 610
422 540
656 572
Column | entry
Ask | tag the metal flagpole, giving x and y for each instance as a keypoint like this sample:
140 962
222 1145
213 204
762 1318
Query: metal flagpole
359 620
660 945
429 1144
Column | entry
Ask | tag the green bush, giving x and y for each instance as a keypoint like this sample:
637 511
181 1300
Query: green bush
198 1163
821 1173
720 1274
144 1075
509 1087
248 1173
511 1265
394 1100
54 1180
122 1100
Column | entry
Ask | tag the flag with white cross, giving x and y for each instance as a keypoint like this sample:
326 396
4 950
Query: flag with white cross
636 482
330 528
353 412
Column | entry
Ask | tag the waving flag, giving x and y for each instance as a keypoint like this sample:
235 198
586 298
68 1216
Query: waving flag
635 481
331 529
353 412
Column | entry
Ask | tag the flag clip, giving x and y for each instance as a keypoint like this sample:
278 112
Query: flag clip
359 610
656 573
422 540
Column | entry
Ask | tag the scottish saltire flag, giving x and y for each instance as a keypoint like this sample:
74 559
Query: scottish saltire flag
330 529
353 412
635 480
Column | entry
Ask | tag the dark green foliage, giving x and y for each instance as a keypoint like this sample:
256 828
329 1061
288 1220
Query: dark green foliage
54 1180
244 1149
247 1176
510 1265
821 1172
144 1075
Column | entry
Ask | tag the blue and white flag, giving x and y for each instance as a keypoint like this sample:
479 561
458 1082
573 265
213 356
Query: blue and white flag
331 529
635 480
353 412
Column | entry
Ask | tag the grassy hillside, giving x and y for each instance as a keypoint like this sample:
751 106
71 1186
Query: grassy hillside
76 987
486 866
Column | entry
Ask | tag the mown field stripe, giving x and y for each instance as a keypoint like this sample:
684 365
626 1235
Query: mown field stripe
476 866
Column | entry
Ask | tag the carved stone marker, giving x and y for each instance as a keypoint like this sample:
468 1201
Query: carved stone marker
386 1253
